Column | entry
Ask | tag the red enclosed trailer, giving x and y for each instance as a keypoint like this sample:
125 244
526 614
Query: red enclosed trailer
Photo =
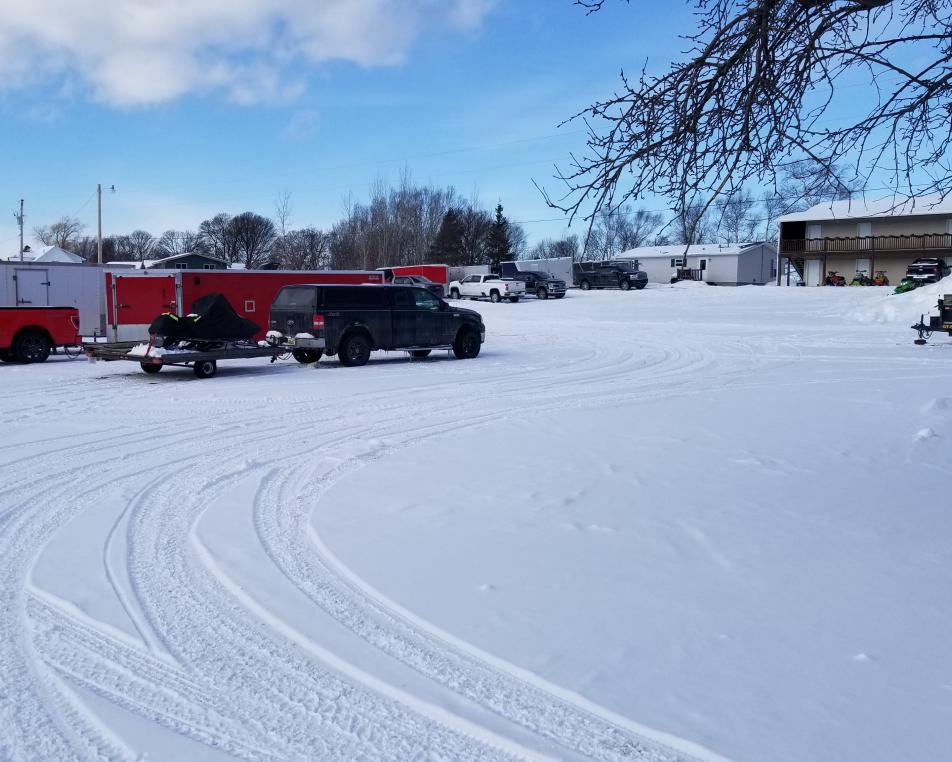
134 299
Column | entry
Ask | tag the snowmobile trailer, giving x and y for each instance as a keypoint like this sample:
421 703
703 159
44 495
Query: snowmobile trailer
940 322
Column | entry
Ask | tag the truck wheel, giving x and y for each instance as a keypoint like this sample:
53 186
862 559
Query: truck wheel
454 293
494 297
625 285
150 368
585 285
641 286
542 293
205 368
306 356
354 350
513 299
419 354
5 355
466 346
31 346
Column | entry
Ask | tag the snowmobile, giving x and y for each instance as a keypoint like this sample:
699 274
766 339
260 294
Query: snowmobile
833 278
880 279
861 279
906 284
211 323
940 322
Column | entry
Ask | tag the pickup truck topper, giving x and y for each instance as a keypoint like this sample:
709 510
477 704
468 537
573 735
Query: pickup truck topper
28 334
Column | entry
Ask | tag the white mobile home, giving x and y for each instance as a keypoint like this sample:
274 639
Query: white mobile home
728 264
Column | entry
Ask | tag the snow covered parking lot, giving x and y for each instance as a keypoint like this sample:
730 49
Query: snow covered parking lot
686 523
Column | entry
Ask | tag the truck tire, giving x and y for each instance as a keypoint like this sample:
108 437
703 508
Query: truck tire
205 368
5 355
542 293
641 285
454 293
466 346
513 299
31 346
306 356
494 296
419 354
354 349
150 368
584 285
625 285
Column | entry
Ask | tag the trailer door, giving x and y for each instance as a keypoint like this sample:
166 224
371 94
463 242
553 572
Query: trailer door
138 301
33 287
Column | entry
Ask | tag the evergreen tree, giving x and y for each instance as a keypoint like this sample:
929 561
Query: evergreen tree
499 243
448 247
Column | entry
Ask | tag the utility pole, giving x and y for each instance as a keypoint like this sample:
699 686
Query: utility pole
99 219
20 222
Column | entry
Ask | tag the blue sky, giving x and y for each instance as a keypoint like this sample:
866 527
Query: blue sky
185 129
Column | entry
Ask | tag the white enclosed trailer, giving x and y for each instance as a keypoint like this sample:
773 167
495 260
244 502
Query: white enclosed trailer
55 284
559 268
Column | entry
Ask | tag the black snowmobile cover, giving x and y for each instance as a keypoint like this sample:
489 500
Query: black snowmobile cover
212 317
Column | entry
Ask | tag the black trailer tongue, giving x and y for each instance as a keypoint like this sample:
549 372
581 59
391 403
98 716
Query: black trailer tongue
940 322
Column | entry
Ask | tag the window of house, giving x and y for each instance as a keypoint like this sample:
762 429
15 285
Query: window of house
180 265
678 262
208 266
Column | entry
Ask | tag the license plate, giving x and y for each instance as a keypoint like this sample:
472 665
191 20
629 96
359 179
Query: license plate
290 342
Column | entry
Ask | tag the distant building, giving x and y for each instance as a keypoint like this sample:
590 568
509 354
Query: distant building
47 254
188 261
728 264
865 236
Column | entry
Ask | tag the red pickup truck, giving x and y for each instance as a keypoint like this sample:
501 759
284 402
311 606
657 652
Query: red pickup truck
28 334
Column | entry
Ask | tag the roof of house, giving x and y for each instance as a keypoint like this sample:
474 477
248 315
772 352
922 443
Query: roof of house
860 208
695 250
148 263
49 254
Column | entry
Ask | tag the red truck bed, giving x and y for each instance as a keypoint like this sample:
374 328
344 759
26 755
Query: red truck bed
28 334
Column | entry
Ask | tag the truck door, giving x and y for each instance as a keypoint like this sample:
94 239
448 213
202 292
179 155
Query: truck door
430 319
404 318
138 301
33 287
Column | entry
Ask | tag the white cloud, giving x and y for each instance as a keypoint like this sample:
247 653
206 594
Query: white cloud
132 52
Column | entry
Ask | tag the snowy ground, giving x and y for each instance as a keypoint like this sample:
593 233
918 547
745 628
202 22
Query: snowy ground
686 523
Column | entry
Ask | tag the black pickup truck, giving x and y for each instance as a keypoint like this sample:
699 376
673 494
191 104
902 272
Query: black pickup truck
608 275
353 321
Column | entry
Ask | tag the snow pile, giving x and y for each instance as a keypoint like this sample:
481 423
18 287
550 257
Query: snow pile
906 308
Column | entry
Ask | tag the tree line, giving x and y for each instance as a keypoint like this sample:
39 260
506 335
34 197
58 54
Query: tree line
410 224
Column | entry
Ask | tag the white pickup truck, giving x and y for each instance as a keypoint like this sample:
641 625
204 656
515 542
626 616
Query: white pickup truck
489 287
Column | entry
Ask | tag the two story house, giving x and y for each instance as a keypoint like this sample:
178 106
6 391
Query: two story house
865 236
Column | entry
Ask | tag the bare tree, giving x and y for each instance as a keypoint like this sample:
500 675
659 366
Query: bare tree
282 211
736 217
63 233
616 231
759 87
556 249
218 238
691 223
254 237
173 242
141 245
305 249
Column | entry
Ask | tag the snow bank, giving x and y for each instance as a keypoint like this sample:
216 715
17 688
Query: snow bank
891 307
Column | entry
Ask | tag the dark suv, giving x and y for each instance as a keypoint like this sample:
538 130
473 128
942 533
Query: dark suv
352 321
608 275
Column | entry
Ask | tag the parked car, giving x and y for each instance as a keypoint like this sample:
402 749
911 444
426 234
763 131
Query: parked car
418 280
29 334
540 283
609 275
927 270
353 321
490 287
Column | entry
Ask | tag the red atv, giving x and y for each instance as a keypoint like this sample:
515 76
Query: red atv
833 278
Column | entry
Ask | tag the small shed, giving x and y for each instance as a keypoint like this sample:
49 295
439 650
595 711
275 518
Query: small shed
728 264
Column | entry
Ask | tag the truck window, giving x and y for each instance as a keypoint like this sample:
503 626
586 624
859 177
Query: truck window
425 300
402 300
355 297
297 297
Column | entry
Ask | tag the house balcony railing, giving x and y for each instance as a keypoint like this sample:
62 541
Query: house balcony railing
866 244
